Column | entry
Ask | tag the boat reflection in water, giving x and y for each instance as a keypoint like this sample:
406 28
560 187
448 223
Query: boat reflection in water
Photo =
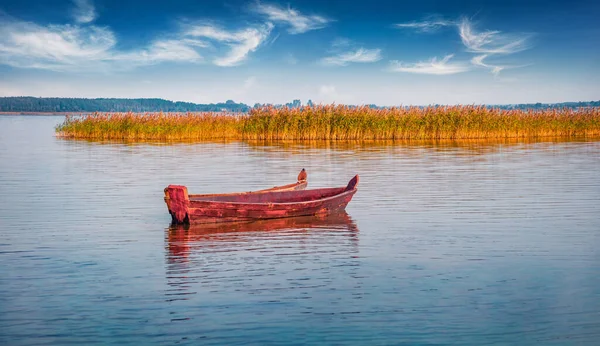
182 240
229 260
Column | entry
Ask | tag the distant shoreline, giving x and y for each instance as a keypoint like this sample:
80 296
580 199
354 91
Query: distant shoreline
43 113
92 112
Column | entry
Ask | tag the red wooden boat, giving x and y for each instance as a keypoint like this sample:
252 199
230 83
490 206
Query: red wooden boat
196 209
300 184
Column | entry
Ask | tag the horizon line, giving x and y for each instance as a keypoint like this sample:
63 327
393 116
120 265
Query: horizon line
301 103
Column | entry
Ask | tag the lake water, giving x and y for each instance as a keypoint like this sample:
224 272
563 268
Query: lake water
467 244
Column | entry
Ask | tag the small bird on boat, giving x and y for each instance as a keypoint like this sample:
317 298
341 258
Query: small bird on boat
302 176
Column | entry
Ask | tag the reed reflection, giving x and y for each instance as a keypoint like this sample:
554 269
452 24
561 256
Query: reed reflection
206 256
467 146
298 146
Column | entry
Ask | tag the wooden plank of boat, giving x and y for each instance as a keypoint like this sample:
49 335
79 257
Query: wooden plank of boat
256 206
300 184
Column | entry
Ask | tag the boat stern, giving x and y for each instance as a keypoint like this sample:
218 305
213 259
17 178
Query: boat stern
178 201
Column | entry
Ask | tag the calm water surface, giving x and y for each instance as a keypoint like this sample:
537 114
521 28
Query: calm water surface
443 244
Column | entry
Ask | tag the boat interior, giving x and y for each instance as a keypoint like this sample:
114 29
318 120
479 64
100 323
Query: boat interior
290 187
297 196
274 197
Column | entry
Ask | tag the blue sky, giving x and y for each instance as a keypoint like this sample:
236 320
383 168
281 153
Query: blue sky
357 52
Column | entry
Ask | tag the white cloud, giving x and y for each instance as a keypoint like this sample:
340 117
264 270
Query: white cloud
297 22
88 47
483 43
433 66
84 11
430 24
478 61
491 42
341 42
360 55
241 42
165 50
83 48
56 47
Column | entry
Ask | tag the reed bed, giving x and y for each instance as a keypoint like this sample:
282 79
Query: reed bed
338 122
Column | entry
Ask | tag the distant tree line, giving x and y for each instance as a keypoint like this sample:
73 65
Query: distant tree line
61 104
550 105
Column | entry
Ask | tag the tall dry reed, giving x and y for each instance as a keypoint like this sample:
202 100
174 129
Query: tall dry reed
338 122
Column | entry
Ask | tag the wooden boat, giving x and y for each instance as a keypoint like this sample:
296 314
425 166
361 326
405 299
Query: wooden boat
196 209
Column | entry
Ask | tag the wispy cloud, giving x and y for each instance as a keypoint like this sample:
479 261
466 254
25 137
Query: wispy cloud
483 43
176 50
88 47
360 55
482 61
478 61
56 47
241 42
341 42
491 42
298 23
79 48
432 66
429 24
84 11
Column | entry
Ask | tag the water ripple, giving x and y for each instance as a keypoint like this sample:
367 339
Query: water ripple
445 243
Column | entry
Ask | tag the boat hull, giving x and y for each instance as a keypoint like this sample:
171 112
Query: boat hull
214 212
